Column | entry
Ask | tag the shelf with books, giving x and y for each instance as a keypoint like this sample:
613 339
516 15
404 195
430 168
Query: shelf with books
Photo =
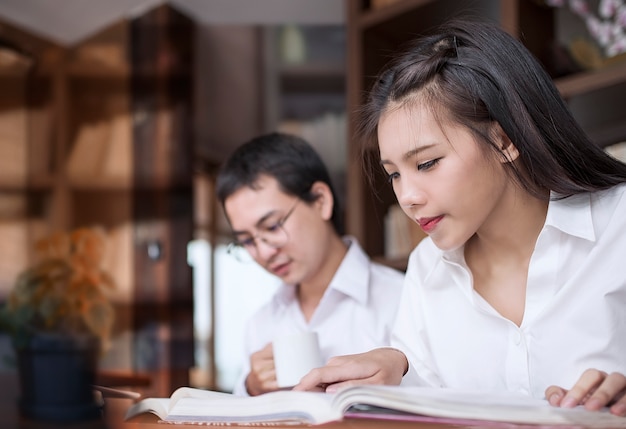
305 72
26 131
109 143
100 132
28 140
305 84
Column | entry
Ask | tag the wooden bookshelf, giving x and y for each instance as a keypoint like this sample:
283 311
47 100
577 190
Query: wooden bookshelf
585 82
107 140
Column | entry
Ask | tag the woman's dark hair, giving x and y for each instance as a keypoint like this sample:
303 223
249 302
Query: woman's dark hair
289 159
475 73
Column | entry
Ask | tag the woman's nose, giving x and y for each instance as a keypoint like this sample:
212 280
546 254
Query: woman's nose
409 195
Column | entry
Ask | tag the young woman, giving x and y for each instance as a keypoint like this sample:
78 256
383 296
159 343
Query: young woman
278 197
520 285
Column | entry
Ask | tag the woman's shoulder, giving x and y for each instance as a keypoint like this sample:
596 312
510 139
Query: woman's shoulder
595 213
609 201
614 195
608 208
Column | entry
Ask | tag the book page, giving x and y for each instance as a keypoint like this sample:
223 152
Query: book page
156 406
472 405
161 406
273 407
192 392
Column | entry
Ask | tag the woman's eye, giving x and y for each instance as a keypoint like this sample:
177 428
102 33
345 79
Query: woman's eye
392 176
428 164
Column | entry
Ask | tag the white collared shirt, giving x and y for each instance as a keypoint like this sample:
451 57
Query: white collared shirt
355 314
575 312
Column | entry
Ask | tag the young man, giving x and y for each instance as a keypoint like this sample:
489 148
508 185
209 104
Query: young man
281 205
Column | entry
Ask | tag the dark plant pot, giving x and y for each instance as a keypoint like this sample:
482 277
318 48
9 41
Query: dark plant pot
56 375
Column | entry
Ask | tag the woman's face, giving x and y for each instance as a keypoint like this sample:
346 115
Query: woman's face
306 228
441 177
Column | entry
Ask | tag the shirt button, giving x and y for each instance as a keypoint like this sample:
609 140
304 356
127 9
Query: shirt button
517 338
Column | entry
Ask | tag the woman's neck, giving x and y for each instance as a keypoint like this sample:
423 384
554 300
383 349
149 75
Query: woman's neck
512 229
499 254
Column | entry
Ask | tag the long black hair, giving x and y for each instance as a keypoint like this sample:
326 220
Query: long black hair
289 159
474 73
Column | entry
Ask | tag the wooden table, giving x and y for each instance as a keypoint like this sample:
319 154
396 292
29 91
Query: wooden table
115 409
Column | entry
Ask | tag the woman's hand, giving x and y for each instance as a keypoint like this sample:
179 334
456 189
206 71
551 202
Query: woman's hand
378 366
595 389
262 376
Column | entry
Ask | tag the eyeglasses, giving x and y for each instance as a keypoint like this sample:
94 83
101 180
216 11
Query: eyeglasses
272 234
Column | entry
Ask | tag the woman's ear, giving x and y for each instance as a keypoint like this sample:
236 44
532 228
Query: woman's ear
324 201
507 148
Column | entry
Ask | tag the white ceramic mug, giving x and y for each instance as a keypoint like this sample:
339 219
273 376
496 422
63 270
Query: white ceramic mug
294 356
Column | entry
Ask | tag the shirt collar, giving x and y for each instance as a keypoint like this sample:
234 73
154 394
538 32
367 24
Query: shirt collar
572 215
351 278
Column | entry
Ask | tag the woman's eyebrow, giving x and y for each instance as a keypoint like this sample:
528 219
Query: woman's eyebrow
411 153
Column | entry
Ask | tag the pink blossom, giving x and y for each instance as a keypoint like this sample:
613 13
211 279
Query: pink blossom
618 47
620 16
607 8
608 27
581 7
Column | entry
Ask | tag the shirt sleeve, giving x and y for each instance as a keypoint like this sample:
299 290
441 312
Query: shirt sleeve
240 386
254 336
409 331
258 332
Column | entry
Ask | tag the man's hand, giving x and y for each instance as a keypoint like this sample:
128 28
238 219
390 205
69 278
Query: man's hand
262 376
595 389
378 366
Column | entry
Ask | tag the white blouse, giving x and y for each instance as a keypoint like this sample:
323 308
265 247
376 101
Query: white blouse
355 314
575 311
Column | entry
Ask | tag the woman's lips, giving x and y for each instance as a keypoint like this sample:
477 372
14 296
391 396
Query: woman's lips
429 223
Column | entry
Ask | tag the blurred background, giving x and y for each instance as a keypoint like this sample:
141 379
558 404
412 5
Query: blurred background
118 113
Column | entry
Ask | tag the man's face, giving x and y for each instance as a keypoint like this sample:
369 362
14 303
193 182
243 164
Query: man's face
282 233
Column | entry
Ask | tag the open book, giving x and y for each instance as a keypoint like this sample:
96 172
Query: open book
189 405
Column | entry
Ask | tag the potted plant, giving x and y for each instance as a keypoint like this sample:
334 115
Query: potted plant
60 320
